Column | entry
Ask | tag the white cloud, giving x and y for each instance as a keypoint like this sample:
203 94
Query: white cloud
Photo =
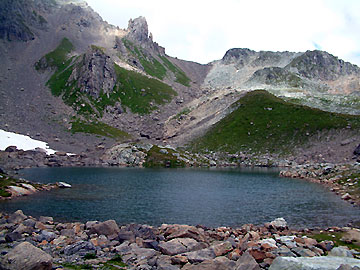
203 31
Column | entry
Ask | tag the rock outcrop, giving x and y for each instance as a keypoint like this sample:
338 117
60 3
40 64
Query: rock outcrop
94 74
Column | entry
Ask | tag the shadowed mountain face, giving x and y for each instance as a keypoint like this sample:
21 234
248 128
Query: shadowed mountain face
62 64
19 16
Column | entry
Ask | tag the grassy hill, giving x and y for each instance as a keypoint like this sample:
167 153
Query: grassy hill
261 122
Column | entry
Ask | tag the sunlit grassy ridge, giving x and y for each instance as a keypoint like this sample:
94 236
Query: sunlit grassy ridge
137 92
262 122
153 67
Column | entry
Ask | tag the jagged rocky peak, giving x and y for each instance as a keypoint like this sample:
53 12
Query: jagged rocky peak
138 30
322 66
95 73
237 54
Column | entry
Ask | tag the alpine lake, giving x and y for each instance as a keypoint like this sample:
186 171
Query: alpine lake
210 197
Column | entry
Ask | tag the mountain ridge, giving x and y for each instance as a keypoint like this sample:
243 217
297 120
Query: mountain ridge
103 57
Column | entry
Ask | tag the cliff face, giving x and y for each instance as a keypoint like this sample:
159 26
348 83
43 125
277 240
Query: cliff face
94 73
19 18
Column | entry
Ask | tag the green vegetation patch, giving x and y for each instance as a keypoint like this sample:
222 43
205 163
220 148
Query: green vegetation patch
101 49
98 128
58 57
151 65
6 181
59 82
262 122
335 237
163 157
135 91
179 74
140 93
154 67
115 263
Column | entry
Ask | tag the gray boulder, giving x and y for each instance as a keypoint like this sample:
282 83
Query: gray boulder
247 262
81 248
26 257
341 252
106 228
314 263
17 217
172 247
200 255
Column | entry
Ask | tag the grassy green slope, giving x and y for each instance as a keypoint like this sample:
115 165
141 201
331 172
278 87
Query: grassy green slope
137 92
155 68
98 128
262 122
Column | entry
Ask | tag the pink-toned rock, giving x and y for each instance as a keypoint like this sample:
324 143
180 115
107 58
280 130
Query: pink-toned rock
183 231
309 242
258 255
179 259
222 248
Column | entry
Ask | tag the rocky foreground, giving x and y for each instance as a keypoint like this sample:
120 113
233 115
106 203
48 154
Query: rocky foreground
30 243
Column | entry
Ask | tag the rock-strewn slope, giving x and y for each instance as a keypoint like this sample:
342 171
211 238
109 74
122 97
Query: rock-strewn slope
105 245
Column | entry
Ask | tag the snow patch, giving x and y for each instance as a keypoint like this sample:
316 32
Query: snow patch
22 142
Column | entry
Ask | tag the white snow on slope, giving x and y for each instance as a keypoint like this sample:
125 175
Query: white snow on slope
22 142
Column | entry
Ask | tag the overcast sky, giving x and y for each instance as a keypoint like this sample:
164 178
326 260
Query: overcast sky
202 31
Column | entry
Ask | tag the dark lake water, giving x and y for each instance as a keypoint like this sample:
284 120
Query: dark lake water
221 197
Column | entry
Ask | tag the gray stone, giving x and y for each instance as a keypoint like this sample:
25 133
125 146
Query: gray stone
303 252
347 267
81 248
219 263
247 262
314 263
172 247
279 223
126 236
26 257
29 223
17 217
46 235
23 229
14 236
46 220
67 232
106 228
341 252
200 255
164 262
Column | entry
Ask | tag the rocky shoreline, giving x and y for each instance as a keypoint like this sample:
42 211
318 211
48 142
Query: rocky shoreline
343 179
46 244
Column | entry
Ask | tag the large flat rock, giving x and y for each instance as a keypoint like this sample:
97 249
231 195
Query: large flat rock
313 263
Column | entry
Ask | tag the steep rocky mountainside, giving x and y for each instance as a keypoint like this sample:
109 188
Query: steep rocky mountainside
314 78
77 82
